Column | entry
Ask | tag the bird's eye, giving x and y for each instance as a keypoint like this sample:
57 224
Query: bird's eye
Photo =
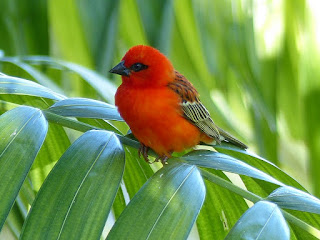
136 67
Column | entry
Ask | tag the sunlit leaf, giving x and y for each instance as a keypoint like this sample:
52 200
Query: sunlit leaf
167 205
86 108
18 86
22 132
101 37
103 86
137 171
260 163
132 32
54 146
263 221
313 135
220 161
37 75
291 198
219 212
64 19
75 200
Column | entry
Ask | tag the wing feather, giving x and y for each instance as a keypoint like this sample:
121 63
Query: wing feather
196 112
192 108
199 116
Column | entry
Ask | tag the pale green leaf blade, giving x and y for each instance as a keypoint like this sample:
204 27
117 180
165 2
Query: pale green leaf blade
18 86
22 132
263 221
218 214
137 171
101 84
291 198
312 102
67 32
37 75
100 27
259 163
132 31
165 207
75 200
85 108
54 146
220 161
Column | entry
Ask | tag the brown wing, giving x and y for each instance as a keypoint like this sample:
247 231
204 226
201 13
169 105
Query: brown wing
196 112
192 108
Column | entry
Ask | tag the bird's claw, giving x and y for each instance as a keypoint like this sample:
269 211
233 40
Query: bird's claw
163 159
143 150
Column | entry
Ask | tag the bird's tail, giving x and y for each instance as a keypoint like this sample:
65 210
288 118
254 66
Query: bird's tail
224 136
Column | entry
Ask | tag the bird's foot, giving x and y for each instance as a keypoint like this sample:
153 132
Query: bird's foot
163 159
143 150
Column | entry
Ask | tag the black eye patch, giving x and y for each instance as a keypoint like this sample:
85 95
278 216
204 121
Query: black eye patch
136 67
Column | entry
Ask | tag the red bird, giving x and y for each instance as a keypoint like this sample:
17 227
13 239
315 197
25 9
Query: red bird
161 106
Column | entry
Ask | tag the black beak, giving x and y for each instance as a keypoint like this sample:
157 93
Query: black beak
121 69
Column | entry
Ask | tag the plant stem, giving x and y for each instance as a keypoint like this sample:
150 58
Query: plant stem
296 221
255 198
230 186
83 127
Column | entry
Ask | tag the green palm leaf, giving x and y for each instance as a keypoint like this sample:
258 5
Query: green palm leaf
22 131
78 191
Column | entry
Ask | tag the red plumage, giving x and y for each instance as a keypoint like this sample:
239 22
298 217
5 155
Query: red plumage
161 107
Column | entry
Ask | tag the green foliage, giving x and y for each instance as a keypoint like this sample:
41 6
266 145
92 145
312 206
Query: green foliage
79 191
157 205
255 65
17 154
263 221
76 197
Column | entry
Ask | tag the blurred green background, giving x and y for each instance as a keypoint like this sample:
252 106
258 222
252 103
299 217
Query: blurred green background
254 62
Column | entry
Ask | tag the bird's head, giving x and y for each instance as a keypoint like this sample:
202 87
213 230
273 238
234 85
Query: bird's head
144 66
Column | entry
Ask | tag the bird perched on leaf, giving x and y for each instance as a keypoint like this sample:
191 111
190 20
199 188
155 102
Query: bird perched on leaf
161 107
